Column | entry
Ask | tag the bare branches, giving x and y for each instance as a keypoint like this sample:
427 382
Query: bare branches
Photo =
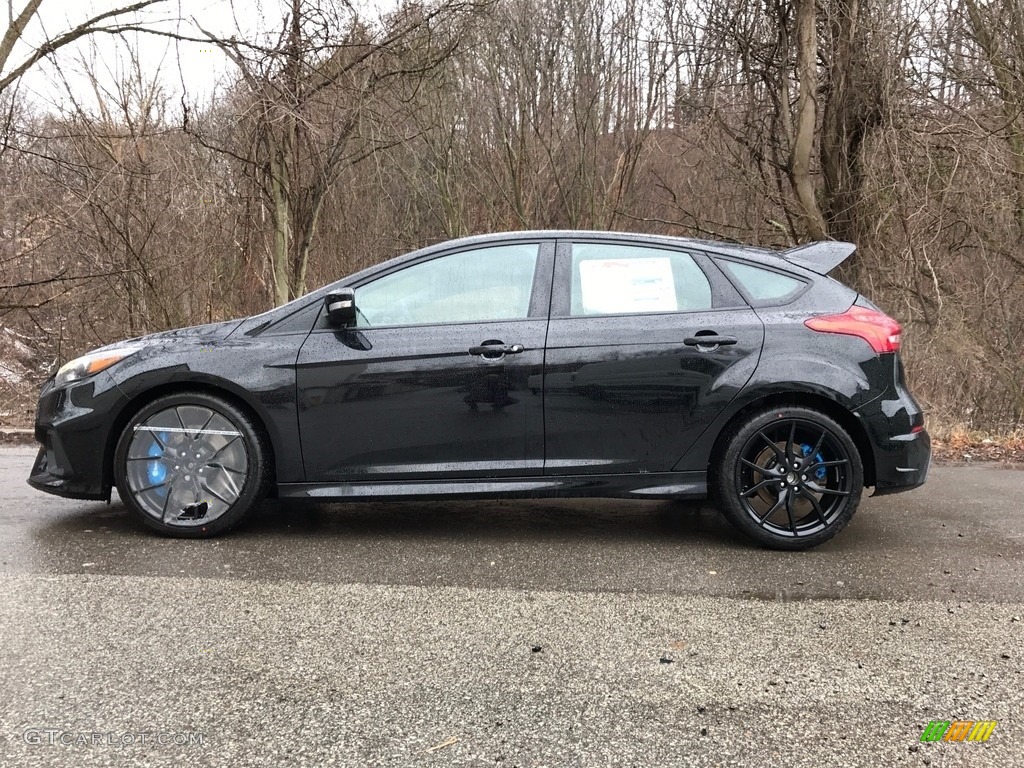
307 100
91 26
16 30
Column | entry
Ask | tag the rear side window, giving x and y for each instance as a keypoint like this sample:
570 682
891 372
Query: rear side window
610 279
763 284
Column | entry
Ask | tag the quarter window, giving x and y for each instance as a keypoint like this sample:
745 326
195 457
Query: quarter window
622 279
470 286
763 284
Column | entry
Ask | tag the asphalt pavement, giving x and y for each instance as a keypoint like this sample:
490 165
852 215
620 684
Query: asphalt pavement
527 633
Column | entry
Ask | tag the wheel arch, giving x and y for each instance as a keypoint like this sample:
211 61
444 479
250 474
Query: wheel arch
141 399
834 410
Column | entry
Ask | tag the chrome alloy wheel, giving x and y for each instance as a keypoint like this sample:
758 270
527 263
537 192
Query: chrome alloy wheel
186 465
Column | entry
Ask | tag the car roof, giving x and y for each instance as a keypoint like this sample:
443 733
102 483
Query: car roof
733 249
766 256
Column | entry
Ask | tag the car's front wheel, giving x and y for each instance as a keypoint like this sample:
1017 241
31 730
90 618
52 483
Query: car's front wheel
191 465
789 478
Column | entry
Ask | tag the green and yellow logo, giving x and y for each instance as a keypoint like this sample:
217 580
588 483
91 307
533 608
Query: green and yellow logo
959 730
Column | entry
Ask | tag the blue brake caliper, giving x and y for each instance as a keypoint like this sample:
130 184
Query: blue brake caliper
820 472
156 470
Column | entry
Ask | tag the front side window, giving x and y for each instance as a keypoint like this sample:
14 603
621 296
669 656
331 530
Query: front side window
483 284
612 279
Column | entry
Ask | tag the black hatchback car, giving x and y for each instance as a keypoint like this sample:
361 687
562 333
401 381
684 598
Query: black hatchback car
511 365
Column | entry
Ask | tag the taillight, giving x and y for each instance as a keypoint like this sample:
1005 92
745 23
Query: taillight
876 328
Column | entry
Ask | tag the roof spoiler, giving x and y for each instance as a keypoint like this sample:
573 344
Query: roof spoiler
821 257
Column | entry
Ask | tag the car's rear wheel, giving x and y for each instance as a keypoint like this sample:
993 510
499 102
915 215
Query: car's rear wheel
191 465
789 478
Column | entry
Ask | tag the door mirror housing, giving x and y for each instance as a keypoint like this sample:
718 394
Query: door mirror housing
341 307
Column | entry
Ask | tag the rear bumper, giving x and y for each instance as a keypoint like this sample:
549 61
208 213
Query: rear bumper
901 446
902 463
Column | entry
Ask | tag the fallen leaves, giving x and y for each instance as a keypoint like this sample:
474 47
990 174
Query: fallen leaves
958 451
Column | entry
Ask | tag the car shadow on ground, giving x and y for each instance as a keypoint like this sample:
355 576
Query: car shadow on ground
697 524
484 519
584 544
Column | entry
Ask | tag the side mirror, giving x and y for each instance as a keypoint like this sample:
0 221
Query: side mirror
341 307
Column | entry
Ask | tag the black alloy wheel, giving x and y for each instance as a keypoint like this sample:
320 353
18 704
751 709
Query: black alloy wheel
789 478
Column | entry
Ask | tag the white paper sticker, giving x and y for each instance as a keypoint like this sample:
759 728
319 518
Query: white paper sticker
610 286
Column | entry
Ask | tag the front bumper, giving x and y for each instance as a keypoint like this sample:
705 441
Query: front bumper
59 478
74 425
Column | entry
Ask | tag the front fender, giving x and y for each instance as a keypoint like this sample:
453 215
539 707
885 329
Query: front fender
258 372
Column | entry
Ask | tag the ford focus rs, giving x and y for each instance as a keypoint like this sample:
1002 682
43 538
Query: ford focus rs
512 365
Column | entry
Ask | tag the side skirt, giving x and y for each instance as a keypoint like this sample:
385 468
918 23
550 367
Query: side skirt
653 485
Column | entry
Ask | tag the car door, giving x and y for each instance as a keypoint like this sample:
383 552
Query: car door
646 346
441 374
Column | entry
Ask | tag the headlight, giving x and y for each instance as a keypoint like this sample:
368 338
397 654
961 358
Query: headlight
94 362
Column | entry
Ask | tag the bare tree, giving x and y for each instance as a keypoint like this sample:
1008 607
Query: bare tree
997 27
313 99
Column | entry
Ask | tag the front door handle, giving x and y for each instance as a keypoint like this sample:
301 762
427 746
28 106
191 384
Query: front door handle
493 351
709 340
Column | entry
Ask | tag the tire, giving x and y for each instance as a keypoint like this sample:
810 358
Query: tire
204 490
802 506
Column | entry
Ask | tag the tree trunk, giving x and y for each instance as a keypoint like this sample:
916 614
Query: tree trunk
997 29
806 118
843 129
280 216
303 240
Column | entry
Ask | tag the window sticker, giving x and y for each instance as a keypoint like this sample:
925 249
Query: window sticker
610 286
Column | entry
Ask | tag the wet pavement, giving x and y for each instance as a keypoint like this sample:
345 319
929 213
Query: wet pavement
367 634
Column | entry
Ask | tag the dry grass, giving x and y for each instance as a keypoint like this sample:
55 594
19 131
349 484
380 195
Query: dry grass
958 443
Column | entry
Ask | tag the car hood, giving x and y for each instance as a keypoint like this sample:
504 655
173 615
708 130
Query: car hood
211 331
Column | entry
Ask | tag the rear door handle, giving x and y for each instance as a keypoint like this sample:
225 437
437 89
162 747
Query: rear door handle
497 350
710 340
